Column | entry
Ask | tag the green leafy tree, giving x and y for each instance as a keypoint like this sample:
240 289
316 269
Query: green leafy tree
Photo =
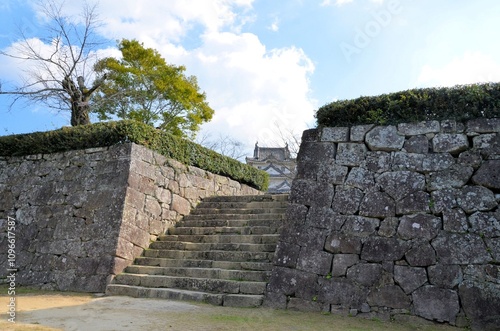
143 87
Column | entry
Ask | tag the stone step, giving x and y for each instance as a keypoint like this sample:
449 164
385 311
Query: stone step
189 263
228 223
224 230
214 273
193 284
228 238
189 246
248 198
229 300
237 211
263 217
243 205
232 256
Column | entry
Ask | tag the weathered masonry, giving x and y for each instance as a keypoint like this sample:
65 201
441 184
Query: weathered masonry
391 221
82 216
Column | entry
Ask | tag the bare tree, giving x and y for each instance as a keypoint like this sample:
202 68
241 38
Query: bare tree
223 144
287 137
57 72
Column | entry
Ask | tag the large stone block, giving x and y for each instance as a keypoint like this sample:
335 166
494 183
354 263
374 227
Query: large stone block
444 199
481 303
418 128
328 172
476 198
351 154
315 261
446 276
486 224
436 162
389 296
450 143
483 125
417 144
399 184
419 226
409 278
458 248
435 303
287 281
365 274
377 204
311 193
358 132
455 220
340 243
338 291
488 175
286 255
360 226
417 202
456 176
341 262
384 138
347 200
335 134
378 162
421 255
378 249
324 218
361 178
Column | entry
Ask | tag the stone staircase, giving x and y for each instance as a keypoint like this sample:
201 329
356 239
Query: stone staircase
221 253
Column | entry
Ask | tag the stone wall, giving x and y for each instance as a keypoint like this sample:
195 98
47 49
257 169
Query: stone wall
82 216
393 221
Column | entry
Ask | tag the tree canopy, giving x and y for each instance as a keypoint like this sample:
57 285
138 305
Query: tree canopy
143 87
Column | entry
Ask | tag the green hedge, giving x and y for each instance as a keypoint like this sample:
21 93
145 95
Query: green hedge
459 103
110 133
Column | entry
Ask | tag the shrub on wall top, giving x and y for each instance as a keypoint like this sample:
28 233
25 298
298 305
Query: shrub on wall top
460 103
110 133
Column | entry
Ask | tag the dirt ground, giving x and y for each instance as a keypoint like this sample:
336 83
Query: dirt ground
63 311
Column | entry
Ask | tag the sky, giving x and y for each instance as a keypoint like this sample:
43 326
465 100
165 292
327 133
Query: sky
267 66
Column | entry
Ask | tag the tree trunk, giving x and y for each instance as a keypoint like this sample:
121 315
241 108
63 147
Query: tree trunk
80 112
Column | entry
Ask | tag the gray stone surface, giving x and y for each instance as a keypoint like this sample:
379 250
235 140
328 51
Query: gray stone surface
450 143
384 138
414 218
337 134
409 278
351 154
399 184
488 175
85 215
434 303
419 226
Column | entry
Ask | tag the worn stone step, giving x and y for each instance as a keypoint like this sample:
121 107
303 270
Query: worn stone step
243 239
228 300
215 273
247 230
192 284
229 223
243 205
248 198
189 246
233 256
188 263
164 293
264 217
235 211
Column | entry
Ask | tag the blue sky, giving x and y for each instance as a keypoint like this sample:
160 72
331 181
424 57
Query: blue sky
268 64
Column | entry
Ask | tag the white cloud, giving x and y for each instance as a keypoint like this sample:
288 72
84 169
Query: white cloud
472 67
275 25
251 88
